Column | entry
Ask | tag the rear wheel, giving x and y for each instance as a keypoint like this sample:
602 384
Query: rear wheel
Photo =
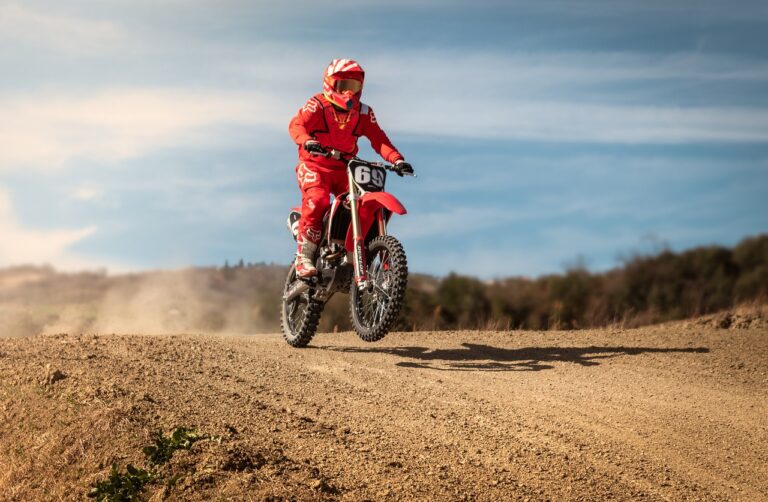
301 315
376 307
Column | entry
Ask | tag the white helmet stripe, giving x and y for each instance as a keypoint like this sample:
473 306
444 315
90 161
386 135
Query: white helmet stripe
340 64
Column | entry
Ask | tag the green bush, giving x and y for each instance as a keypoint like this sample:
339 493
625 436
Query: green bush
129 485
121 486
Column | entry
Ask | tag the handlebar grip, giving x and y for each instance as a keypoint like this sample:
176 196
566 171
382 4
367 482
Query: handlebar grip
327 154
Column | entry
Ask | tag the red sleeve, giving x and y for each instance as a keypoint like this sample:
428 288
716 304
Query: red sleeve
379 140
307 119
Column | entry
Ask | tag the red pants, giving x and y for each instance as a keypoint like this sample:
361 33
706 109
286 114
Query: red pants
316 185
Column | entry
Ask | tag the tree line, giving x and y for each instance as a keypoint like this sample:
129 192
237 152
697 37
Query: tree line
246 299
646 289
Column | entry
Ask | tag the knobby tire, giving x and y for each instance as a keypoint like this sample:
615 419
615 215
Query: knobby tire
397 277
299 335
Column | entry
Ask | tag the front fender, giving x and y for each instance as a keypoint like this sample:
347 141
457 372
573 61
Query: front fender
368 204
383 199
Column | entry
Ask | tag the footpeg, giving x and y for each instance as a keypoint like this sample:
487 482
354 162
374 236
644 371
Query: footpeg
312 281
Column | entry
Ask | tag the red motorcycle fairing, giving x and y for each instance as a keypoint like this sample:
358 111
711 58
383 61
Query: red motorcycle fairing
368 204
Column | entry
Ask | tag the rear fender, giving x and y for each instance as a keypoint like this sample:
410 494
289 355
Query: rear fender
368 204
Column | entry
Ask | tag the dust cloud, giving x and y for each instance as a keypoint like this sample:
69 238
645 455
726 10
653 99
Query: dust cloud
197 300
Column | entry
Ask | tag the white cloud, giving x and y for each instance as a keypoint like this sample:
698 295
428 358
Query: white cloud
87 193
19 245
553 96
514 97
525 73
47 131
558 97
579 122
61 33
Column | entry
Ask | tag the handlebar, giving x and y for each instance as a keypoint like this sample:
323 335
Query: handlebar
332 154
339 155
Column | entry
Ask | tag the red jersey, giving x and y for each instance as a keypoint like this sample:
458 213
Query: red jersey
319 120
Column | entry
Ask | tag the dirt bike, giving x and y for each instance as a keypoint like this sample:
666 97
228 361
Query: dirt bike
355 256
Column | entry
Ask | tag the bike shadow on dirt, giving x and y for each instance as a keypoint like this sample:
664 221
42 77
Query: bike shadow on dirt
478 357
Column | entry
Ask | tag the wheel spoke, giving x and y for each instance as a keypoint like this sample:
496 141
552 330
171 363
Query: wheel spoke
373 303
369 308
297 310
382 291
300 316
377 318
375 307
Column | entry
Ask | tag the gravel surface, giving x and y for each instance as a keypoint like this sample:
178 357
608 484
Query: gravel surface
677 412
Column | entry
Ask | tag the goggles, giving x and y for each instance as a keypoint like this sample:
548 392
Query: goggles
349 84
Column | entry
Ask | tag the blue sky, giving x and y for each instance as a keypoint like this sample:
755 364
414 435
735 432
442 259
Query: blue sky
141 135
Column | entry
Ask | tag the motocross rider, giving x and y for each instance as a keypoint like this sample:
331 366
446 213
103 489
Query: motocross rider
332 120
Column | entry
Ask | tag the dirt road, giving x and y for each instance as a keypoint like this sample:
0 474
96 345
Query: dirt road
665 413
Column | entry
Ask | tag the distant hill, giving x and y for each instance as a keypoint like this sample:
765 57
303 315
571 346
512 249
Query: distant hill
245 299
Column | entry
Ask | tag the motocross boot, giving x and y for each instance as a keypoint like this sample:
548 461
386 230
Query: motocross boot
305 258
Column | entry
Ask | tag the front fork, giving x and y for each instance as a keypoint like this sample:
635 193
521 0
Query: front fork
361 278
359 240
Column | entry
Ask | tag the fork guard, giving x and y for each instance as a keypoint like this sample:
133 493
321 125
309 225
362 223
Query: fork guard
368 204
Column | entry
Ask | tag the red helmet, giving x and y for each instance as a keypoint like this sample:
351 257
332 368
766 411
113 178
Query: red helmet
343 83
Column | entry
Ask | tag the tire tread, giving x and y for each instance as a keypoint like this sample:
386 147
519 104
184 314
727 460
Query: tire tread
397 290
308 326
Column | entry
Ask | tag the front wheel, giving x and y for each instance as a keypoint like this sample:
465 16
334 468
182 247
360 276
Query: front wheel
376 307
301 315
